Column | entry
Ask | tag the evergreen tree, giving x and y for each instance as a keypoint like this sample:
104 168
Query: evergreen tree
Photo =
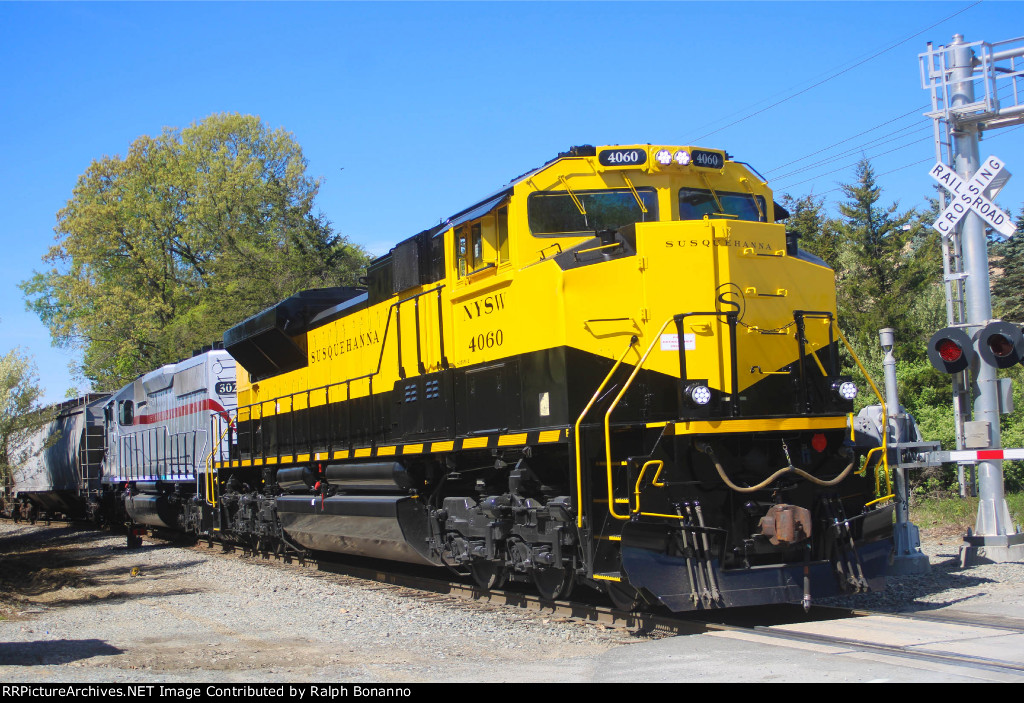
1008 276
885 267
816 231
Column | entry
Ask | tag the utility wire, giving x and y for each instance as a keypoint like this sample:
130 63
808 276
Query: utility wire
915 111
916 163
854 163
837 74
879 175
913 142
879 141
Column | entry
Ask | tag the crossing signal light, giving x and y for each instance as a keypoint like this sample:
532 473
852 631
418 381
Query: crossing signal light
950 350
1001 344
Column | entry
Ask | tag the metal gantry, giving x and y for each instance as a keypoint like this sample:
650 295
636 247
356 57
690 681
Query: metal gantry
975 87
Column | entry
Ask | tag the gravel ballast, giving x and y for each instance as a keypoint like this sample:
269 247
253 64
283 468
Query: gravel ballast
190 616
79 607
990 589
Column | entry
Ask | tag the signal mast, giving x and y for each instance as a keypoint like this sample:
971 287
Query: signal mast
974 346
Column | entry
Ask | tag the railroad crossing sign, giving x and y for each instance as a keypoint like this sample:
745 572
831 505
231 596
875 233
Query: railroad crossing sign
970 195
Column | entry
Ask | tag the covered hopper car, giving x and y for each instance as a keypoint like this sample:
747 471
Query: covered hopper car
57 471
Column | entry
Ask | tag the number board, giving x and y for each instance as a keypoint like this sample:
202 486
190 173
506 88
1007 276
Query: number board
622 157
707 159
225 387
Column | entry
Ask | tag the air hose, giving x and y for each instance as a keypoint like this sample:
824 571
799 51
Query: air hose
706 449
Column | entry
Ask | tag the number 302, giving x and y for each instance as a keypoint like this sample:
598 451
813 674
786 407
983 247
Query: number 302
486 341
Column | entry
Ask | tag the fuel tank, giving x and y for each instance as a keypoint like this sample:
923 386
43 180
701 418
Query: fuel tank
383 527
153 510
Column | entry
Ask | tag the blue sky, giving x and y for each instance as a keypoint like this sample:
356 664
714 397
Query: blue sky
410 111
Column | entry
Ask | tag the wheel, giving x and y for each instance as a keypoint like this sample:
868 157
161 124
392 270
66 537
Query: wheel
552 583
623 596
488 574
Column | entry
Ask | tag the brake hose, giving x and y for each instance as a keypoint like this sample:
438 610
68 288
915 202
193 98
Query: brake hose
706 449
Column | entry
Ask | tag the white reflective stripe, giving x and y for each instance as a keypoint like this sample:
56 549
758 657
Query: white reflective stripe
979 455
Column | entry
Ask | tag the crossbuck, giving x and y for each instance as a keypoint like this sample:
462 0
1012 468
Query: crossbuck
971 196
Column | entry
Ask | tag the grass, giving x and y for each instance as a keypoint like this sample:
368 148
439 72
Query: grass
957 514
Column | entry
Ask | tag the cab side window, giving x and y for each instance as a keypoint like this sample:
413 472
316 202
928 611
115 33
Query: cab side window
482 243
476 237
125 412
462 251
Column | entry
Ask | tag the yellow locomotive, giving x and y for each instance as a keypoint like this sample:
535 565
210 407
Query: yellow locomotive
615 371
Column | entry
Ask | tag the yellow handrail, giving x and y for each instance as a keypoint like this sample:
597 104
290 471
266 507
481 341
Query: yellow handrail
885 418
607 419
654 481
579 473
211 481
674 517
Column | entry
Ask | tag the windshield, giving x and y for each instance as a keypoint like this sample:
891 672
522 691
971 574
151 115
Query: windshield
557 213
695 203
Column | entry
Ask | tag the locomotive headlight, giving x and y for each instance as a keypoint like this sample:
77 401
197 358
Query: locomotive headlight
663 157
698 394
847 390
681 157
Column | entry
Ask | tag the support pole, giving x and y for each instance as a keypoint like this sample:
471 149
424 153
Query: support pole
907 556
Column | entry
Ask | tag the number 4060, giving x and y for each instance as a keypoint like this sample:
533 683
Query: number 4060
486 341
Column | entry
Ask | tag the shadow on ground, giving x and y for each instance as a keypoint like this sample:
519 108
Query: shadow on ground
53 652
36 563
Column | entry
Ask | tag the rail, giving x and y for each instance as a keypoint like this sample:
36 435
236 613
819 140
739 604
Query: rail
800 318
731 318
576 254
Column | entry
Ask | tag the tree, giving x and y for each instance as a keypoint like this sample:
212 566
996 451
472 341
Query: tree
816 230
20 412
887 265
160 251
1008 276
